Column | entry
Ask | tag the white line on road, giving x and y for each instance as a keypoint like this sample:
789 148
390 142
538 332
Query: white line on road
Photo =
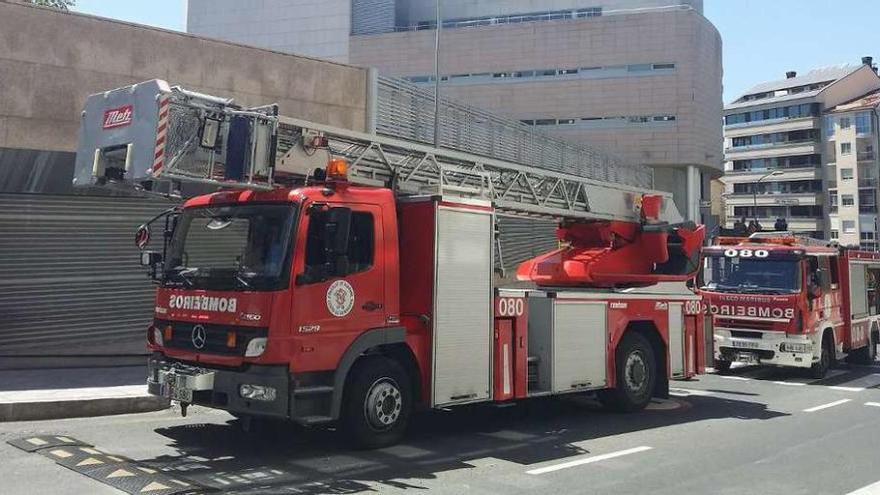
741 378
848 389
872 404
872 489
826 406
588 460
793 384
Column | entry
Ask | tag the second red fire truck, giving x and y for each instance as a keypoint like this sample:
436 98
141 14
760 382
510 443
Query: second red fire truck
349 277
784 300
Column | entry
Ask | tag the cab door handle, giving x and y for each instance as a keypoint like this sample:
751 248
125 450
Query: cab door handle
371 306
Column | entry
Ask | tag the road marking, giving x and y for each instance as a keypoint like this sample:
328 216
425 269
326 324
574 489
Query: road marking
588 460
792 384
848 389
872 404
872 489
826 406
685 392
741 378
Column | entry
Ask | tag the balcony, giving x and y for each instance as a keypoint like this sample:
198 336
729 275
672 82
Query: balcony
867 208
771 150
866 156
775 199
772 125
799 173
867 182
794 223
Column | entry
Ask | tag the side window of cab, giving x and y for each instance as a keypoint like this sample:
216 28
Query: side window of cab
340 242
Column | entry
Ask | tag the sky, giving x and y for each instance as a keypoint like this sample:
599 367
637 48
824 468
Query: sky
762 38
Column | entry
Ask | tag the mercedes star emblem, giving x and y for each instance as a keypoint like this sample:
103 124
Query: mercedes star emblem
199 337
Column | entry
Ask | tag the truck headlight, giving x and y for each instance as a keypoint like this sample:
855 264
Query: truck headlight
157 336
256 347
257 392
795 347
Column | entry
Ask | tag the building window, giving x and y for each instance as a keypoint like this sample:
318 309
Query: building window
844 123
829 126
845 148
863 123
849 226
846 174
847 200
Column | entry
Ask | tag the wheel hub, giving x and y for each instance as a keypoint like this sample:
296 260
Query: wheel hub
383 404
636 371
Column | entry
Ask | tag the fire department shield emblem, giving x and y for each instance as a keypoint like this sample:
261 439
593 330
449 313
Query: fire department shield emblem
340 298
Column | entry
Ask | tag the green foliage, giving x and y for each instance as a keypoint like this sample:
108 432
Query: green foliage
55 4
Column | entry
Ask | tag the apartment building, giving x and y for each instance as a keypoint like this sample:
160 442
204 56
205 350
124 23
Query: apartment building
852 169
779 159
640 79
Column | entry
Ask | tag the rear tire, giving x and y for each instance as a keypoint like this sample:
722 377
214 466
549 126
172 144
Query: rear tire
866 355
826 360
377 403
636 370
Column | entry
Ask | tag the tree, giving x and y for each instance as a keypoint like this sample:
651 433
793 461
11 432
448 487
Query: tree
55 4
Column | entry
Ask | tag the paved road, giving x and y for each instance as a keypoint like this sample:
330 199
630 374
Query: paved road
756 431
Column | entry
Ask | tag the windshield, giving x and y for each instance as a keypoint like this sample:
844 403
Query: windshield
243 247
752 275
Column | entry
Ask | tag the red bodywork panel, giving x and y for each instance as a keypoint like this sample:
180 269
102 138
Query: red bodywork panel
609 254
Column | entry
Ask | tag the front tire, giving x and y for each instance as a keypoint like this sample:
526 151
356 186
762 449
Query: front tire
866 355
636 371
722 366
377 403
826 360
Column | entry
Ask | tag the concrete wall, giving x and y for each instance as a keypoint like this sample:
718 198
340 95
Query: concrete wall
316 28
51 61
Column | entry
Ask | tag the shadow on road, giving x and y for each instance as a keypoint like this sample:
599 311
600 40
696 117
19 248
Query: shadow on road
283 458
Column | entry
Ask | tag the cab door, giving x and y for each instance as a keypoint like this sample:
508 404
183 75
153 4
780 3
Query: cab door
338 282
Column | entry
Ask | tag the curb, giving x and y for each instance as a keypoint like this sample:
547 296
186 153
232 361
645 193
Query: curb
80 408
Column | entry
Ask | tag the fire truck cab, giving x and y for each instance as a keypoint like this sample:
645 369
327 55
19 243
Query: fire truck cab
783 300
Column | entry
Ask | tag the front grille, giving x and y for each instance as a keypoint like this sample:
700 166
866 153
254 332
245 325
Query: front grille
215 341
745 335
737 323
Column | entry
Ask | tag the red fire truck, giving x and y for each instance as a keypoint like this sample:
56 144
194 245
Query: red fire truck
348 277
784 300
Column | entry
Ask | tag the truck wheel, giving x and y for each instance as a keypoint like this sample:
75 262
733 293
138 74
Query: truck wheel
636 371
866 355
377 403
826 360
722 366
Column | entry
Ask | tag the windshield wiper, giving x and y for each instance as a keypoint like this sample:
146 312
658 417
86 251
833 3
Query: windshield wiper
182 274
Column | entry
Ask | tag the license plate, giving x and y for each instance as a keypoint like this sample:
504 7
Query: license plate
745 344
746 358
171 390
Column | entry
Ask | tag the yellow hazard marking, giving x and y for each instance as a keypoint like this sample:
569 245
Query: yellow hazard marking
147 470
65 439
61 453
154 486
36 441
120 473
90 461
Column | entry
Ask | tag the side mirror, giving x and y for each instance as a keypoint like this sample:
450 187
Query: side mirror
150 258
336 231
142 236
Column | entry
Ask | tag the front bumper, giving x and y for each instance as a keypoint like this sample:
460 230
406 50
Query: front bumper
766 348
220 388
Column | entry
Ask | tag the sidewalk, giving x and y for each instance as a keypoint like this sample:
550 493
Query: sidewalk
75 392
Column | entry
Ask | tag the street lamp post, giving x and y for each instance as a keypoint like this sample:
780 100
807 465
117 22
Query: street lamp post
755 192
439 28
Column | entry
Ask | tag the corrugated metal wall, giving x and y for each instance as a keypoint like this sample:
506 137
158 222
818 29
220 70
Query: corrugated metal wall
521 239
69 273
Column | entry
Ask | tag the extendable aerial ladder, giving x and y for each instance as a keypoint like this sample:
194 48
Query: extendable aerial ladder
201 138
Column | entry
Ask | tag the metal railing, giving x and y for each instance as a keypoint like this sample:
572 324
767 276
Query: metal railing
865 155
406 111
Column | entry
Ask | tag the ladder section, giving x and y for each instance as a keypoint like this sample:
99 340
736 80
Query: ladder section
414 168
